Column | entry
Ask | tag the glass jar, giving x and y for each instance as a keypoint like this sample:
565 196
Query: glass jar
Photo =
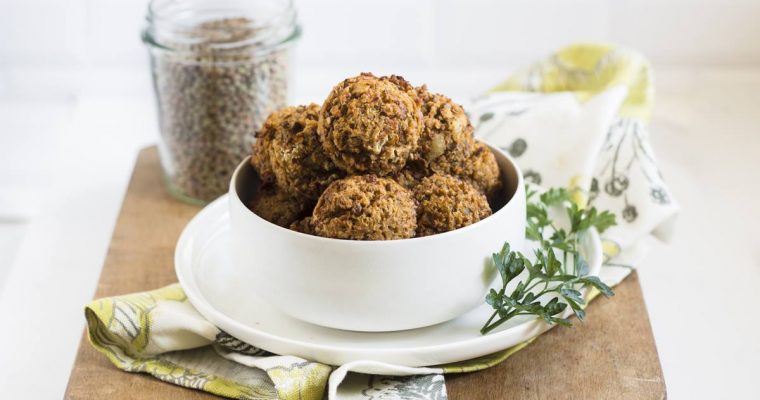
219 69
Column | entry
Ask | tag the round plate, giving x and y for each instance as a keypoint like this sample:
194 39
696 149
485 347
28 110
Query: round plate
202 262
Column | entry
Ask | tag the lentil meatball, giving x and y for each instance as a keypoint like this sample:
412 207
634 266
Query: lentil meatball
365 207
298 161
479 169
370 124
277 206
446 203
447 130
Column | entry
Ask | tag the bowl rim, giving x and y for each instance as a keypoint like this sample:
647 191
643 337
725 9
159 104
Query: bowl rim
235 196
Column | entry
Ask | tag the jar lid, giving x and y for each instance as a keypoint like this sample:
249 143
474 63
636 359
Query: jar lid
190 25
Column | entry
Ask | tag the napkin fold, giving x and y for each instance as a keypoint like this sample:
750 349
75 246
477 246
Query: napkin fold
577 120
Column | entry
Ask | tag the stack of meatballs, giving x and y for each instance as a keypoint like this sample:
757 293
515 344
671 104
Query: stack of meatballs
379 160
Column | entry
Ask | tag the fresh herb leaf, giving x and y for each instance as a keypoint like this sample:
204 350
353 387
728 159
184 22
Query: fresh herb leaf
555 196
597 284
551 284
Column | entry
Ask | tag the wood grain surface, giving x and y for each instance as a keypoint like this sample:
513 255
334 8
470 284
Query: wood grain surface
610 356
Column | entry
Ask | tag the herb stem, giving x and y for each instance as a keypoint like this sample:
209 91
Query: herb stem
575 264
482 330
564 260
488 328
537 282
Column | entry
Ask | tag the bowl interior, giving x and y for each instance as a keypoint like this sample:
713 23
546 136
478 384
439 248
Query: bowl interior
246 181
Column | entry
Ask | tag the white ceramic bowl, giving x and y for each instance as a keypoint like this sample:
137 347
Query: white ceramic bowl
373 285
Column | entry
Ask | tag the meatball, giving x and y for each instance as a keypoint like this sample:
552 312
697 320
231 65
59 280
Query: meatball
298 161
479 169
365 207
277 206
447 130
370 124
304 225
446 203
288 151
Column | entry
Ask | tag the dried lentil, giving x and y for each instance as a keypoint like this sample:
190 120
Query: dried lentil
211 99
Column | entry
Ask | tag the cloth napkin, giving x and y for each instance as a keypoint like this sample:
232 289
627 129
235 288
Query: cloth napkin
577 119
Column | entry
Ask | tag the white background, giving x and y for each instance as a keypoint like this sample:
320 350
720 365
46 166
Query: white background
76 104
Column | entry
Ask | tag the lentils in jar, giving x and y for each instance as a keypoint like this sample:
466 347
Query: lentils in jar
216 80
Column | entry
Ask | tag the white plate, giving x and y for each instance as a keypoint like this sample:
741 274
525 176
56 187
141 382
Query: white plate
202 261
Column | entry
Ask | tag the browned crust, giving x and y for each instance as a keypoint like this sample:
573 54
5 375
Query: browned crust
298 161
446 203
365 207
371 125
479 169
288 151
260 153
447 130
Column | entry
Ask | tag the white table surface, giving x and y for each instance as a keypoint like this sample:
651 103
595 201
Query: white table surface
57 214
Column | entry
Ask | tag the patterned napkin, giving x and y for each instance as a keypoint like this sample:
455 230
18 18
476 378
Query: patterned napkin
577 119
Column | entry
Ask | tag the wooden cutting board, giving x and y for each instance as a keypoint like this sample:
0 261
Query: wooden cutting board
610 356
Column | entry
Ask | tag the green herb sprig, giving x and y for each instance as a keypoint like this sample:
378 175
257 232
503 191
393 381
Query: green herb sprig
547 275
